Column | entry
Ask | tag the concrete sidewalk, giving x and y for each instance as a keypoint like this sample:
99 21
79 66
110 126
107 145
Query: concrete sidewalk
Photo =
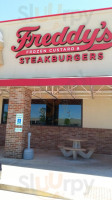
65 185
98 165
19 196
50 174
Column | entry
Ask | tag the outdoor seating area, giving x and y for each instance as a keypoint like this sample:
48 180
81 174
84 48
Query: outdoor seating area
76 149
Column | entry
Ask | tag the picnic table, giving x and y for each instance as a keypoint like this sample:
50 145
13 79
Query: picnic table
76 149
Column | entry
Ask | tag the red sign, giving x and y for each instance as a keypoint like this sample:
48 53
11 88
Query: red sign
77 41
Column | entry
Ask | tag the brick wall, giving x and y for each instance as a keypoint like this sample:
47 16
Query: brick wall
2 134
46 137
50 137
19 102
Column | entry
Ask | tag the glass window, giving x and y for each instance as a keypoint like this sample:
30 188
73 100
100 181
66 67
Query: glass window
69 115
38 114
57 112
52 112
4 111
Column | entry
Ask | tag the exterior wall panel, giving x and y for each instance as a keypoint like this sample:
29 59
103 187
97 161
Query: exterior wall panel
52 24
97 113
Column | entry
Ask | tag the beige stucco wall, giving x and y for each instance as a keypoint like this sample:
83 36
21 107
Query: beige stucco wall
13 69
97 113
0 108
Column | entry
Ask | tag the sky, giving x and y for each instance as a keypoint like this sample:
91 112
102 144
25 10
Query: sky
16 9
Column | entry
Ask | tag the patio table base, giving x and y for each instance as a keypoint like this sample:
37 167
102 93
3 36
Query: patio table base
74 153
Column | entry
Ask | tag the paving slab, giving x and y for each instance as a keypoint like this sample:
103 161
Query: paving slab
51 173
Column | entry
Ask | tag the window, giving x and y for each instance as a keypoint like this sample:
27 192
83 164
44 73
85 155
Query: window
38 113
69 115
57 112
52 112
4 111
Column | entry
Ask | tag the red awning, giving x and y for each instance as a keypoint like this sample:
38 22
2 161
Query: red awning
57 81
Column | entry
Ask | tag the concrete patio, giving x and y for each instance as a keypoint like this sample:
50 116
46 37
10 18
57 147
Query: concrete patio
51 173
99 165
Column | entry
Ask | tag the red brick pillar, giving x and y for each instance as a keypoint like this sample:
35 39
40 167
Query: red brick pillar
19 103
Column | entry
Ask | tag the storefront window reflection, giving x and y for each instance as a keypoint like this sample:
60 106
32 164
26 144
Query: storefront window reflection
52 112
57 112
69 115
38 114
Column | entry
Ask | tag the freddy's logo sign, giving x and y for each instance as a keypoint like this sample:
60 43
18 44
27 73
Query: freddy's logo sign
76 41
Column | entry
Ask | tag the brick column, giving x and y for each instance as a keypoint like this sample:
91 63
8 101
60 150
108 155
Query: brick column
19 102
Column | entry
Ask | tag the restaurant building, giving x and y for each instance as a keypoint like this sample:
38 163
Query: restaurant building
56 81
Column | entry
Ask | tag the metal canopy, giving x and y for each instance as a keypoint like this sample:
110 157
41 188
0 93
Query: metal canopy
66 92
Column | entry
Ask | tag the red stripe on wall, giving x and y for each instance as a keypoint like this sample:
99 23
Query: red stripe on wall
57 81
